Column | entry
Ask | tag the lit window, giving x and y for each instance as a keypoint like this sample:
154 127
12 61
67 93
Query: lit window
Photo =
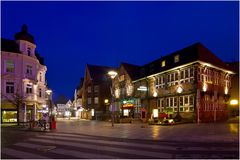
29 88
95 100
9 87
163 63
9 66
176 58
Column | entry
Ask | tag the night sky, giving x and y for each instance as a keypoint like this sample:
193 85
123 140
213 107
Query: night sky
70 34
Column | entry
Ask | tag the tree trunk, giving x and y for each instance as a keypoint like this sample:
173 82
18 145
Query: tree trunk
18 122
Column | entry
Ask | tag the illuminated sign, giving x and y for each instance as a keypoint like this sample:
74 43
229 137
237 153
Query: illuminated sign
142 88
128 105
155 113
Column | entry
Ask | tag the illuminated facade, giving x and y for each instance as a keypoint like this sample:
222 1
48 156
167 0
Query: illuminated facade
191 83
23 74
127 104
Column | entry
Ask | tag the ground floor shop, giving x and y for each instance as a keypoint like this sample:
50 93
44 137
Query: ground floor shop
193 107
26 112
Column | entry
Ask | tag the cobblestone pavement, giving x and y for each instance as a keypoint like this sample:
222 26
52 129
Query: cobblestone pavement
92 139
214 132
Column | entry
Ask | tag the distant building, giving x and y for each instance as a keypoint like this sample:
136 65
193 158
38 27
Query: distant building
95 91
22 76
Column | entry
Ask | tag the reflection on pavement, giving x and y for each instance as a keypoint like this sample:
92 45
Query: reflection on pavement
155 132
233 127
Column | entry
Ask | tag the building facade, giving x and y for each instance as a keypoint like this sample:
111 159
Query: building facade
125 101
22 79
95 92
191 84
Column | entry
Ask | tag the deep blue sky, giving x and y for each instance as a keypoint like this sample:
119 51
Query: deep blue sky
70 34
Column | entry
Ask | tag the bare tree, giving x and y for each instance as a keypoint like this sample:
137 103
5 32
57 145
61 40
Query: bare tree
17 99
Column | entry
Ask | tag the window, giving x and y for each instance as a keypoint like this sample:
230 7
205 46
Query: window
182 74
95 100
9 66
9 87
40 76
176 58
159 82
191 99
40 92
29 88
89 100
29 51
96 88
29 70
121 78
89 89
186 100
163 63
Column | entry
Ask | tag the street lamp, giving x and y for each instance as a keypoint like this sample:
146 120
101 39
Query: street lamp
49 92
179 91
112 75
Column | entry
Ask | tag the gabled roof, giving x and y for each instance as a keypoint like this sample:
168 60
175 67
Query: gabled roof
99 73
132 70
195 52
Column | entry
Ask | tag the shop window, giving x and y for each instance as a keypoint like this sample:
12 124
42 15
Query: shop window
10 66
9 116
9 87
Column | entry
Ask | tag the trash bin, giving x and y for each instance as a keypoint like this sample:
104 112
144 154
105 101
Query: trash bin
53 123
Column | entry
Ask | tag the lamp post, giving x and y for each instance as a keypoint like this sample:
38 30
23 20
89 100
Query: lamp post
112 75
49 92
179 91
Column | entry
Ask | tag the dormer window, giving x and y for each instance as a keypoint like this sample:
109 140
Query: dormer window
176 58
163 63
29 51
